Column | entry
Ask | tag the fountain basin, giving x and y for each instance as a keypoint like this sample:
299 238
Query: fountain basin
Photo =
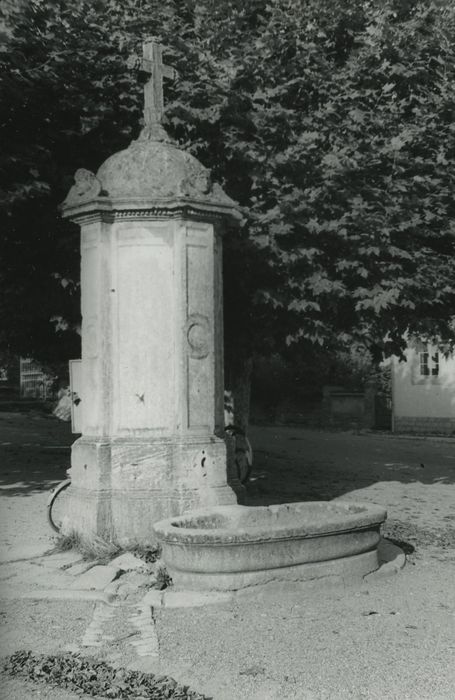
233 547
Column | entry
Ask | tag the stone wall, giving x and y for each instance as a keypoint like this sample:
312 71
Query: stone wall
336 408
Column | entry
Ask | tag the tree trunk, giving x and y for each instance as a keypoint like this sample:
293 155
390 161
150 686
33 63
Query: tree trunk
239 382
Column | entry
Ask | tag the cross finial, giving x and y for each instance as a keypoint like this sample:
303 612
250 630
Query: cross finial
152 66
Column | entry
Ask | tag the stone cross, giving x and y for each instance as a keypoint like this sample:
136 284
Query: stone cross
152 65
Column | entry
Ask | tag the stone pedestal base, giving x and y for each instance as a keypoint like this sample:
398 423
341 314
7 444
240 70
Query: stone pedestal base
122 486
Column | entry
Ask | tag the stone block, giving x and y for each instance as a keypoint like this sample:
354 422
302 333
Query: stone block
96 578
131 584
128 562
140 491
113 587
153 598
391 560
80 568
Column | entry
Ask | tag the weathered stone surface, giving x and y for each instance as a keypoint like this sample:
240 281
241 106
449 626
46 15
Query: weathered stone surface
232 547
391 560
152 66
149 480
81 568
150 178
131 584
128 562
153 170
339 572
152 378
112 588
153 598
152 333
96 578
391 555
86 187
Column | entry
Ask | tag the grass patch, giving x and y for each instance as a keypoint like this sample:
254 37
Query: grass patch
96 678
90 548
97 549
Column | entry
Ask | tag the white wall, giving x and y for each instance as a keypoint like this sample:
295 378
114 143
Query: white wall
420 396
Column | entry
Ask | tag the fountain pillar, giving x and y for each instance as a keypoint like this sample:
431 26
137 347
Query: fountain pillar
152 339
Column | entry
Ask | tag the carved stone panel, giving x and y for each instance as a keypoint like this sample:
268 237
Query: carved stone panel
86 187
198 336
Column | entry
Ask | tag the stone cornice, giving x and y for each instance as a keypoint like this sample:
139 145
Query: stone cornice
138 209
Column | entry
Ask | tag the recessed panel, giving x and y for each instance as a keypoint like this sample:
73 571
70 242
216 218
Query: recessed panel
144 351
199 330
91 291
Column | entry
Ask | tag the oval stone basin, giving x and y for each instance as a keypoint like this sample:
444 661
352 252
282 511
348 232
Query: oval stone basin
232 547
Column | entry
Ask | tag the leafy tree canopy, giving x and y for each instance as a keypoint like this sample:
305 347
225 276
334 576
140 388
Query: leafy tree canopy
332 124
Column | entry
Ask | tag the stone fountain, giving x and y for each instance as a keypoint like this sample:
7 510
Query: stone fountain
152 441
151 461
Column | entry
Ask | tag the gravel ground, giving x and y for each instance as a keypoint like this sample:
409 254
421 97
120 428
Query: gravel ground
388 639
43 626
17 689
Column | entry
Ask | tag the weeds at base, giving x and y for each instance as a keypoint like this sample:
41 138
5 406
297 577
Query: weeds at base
163 580
91 548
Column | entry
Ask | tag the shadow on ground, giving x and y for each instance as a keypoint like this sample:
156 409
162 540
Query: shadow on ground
295 464
290 464
34 452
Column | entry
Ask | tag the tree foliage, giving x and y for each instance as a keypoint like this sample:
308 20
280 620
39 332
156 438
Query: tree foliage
331 123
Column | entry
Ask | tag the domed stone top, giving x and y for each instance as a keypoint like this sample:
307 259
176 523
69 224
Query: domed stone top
150 172
150 169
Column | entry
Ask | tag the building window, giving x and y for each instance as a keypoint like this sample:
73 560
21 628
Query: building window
429 364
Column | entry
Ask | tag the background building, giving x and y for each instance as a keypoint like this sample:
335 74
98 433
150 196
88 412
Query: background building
423 392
